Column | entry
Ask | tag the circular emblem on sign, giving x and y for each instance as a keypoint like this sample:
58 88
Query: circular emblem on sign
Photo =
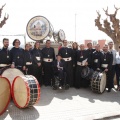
38 28
61 35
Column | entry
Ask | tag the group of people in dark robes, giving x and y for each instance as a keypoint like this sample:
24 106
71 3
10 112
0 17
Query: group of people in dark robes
68 63
98 60
30 61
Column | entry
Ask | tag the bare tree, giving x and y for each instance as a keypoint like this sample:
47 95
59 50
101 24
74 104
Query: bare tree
5 17
112 28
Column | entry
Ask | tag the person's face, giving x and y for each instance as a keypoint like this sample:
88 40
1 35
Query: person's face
89 46
97 47
58 57
110 45
48 43
37 45
82 47
74 45
27 47
6 43
65 43
105 48
30 46
17 43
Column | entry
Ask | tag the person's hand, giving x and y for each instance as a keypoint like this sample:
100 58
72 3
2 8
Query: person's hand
12 66
86 63
39 64
58 66
106 70
24 68
98 68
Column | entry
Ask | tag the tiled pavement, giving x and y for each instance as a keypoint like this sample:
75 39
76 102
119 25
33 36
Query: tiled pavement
72 104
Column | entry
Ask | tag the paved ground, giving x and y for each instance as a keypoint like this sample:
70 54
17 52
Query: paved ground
71 104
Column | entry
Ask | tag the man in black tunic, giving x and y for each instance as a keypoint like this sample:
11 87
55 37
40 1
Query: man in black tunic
96 56
5 59
89 51
67 54
81 63
48 58
106 65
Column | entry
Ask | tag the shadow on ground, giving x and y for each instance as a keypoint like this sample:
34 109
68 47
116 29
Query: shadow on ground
20 114
47 95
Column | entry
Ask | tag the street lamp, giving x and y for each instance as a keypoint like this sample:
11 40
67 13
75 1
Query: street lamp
75 27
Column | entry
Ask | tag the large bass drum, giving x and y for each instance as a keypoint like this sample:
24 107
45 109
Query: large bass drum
39 28
5 94
98 82
10 73
86 73
25 91
59 35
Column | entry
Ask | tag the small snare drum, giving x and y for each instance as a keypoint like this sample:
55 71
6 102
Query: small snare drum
98 82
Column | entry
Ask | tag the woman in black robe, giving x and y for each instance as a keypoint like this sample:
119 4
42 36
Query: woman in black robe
75 48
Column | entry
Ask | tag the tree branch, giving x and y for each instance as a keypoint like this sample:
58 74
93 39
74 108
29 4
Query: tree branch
4 21
116 10
106 11
1 10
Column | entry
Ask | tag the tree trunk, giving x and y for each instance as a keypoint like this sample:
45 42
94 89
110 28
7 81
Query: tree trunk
116 45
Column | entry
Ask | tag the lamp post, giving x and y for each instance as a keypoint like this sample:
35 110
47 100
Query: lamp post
75 26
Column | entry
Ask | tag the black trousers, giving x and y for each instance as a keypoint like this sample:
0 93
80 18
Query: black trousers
79 81
109 78
37 72
74 75
69 71
48 73
117 70
29 70
113 74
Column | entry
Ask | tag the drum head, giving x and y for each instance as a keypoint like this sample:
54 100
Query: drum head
5 94
102 82
21 91
55 35
85 72
61 35
11 73
38 28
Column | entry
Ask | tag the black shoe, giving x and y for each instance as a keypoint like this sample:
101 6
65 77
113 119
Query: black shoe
60 87
67 86
109 90
54 87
